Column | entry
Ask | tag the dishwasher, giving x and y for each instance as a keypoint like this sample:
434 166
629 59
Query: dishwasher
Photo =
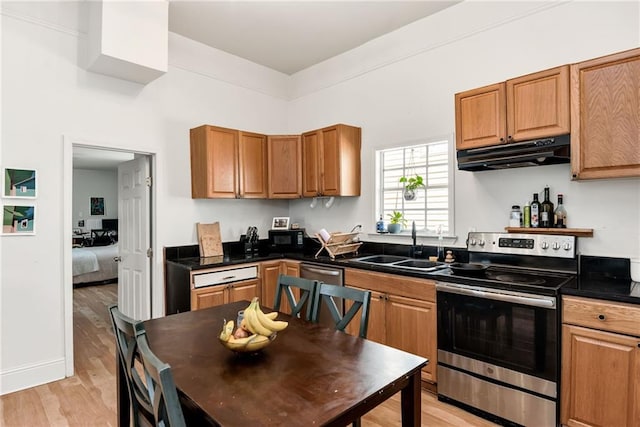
331 275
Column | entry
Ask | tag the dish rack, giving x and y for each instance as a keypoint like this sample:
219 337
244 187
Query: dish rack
338 244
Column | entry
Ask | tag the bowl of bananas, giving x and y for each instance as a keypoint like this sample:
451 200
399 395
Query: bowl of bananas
256 330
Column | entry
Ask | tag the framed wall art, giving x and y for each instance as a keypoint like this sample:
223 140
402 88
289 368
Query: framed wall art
19 183
280 223
18 220
97 206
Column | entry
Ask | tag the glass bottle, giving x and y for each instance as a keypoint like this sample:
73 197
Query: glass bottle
560 214
526 219
546 211
535 211
380 225
515 219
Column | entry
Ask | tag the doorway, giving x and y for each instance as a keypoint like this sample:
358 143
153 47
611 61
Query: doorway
101 159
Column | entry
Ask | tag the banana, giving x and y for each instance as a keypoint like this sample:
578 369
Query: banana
272 315
255 327
227 330
272 325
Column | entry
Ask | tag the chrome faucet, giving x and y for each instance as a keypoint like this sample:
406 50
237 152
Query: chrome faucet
414 251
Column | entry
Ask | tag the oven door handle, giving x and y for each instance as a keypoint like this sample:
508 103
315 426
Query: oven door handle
531 300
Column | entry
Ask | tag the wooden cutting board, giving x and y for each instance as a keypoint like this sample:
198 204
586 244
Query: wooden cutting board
209 239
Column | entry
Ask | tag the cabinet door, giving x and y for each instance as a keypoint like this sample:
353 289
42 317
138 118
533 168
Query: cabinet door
244 290
208 297
252 158
285 166
330 161
291 268
376 326
600 378
411 326
340 172
481 117
310 164
605 116
538 105
214 162
269 272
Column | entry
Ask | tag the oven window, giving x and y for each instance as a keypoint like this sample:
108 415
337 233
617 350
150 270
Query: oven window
519 337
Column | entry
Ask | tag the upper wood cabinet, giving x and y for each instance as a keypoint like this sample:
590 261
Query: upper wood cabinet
285 166
227 163
331 161
481 117
605 116
528 107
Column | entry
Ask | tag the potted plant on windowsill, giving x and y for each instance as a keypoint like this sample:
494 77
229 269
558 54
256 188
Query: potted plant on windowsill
411 184
397 222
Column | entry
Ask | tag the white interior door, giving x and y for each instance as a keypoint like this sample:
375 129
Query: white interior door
134 238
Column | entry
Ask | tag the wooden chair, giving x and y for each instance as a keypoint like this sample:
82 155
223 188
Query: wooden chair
307 289
162 392
360 299
126 330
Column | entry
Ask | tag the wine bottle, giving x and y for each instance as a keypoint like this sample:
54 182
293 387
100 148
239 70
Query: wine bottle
546 211
535 211
560 214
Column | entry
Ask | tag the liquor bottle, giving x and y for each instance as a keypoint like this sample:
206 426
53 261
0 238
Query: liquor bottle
546 211
381 227
560 214
535 211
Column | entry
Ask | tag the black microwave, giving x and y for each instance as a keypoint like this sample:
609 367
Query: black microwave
286 240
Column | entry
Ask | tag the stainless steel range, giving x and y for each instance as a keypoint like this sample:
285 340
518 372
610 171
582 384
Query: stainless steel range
499 326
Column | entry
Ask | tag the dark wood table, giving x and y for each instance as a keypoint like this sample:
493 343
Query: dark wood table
309 376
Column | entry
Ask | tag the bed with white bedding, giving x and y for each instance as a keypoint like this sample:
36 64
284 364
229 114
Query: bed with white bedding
95 264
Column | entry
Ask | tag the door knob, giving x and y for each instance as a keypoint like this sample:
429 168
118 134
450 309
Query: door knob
117 258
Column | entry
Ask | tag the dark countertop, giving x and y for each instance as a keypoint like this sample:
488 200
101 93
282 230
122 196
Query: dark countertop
621 290
600 277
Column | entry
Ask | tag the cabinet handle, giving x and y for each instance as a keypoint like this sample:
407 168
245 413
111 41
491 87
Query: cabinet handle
509 137
228 277
602 316
501 139
639 345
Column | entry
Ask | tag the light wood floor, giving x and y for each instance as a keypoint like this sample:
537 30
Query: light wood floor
89 397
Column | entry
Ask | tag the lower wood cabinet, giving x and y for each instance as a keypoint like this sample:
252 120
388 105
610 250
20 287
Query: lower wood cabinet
217 286
212 296
269 272
402 314
600 367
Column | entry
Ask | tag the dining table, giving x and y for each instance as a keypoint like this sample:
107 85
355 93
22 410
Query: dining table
309 375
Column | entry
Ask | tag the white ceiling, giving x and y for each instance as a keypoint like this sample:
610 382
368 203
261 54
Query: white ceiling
289 36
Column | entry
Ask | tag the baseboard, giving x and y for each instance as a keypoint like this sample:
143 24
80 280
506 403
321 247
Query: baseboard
30 376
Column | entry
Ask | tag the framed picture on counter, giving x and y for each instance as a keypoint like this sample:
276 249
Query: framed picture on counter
280 223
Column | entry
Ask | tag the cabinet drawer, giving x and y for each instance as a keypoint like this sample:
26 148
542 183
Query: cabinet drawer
224 276
411 287
604 315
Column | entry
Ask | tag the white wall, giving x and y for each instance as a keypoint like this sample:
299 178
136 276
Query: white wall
45 95
94 183
401 88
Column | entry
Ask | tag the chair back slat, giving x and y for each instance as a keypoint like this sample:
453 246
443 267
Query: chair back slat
161 390
126 330
325 293
307 288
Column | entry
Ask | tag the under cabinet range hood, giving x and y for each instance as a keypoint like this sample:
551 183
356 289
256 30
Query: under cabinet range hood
539 152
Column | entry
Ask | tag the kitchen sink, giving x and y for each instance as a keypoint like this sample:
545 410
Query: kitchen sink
401 262
381 259
419 263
